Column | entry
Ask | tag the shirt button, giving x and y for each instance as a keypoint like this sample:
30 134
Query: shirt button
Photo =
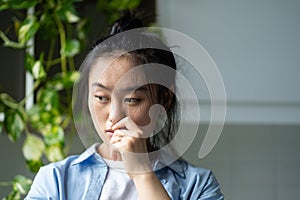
164 181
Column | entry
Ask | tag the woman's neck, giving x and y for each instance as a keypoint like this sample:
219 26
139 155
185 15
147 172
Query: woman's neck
109 152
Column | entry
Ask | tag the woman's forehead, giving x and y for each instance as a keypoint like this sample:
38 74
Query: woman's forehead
110 72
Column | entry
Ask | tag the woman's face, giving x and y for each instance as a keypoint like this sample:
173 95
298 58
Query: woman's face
116 93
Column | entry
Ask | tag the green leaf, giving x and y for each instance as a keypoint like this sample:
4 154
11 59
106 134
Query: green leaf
36 68
34 165
71 17
43 120
70 78
64 80
55 117
72 47
38 71
67 12
13 195
34 118
54 136
48 99
54 153
14 124
29 62
28 29
17 24
51 118
17 4
124 4
81 28
14 116
3 6
21 184
33 147
48 29
112 6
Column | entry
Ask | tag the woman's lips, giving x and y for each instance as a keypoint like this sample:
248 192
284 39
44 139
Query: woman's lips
109 132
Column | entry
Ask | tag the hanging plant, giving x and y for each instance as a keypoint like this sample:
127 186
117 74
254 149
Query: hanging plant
48 121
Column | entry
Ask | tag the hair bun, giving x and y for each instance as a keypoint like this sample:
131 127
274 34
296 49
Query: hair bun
127 21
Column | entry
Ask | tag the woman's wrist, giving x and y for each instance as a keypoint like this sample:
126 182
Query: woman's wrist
149 186
143 177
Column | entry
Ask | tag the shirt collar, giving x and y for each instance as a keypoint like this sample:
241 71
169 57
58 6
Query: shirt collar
90 152
166 159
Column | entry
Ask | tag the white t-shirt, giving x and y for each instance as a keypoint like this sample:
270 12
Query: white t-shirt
118 185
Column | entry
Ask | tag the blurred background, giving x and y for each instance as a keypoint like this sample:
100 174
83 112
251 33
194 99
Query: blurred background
256 46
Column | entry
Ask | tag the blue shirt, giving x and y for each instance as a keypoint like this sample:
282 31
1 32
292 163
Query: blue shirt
82 177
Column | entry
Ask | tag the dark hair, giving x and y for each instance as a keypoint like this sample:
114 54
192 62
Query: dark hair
128 35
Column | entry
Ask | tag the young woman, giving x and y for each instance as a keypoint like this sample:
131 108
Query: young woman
124 90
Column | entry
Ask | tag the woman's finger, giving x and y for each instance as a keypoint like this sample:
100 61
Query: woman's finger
129 125
117 136
123 132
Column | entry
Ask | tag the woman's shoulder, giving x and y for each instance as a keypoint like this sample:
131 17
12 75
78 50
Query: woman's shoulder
185 169
193 170
49 178
62 164
89 156
195 181
57 174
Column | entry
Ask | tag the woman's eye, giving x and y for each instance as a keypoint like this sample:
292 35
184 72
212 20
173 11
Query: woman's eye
102 99
132 101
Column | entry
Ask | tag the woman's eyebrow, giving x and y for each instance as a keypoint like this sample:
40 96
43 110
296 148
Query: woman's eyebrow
134 88
127 89
101 86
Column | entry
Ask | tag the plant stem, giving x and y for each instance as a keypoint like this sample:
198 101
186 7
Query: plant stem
62 35
53 62
50 54
71 63
9 43
65 123
23 101
26 130
6 184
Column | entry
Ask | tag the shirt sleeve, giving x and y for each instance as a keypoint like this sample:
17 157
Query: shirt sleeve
45 185
211 189
200 184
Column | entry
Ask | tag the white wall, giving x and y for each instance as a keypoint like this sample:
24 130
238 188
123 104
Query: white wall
258 162
256 47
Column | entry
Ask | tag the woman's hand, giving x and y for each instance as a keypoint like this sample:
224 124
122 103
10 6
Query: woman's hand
129 140
131 143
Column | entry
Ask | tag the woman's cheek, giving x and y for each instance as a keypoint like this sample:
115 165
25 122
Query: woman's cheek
140 116
100 117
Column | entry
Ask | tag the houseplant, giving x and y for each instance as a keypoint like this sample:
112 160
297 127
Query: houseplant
46 121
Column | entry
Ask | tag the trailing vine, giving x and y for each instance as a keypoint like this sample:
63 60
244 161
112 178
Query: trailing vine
48 121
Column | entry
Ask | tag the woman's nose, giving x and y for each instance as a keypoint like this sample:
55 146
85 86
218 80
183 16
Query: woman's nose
116 112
